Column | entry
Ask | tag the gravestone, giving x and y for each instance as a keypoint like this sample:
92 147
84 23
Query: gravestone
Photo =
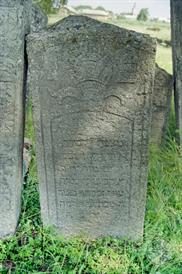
161 104
91 85
39 19
14 24
176 28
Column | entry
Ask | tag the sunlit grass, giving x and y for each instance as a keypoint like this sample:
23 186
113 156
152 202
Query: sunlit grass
164 58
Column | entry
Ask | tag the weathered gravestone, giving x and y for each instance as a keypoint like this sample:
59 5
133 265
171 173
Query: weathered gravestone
176 27
14 25
91 85
161 104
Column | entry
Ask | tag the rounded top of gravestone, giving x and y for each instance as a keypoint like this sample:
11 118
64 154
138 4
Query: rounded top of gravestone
77 22
78 25
74 21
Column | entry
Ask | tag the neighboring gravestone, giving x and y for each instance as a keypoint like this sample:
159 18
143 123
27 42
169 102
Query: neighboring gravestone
176 27
13 27
92 89
161 104
39 19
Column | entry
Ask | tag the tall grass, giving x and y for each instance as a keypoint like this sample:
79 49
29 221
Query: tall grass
34 249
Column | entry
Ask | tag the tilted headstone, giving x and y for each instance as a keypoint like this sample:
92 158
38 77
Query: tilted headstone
92 86
39 19
13 27
176 27
161 104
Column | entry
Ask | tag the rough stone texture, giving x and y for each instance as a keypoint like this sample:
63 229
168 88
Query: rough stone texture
39 19
92 88
176 27
13 26
161 104
12 3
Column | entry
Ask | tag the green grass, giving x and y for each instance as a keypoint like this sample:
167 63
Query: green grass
34 249
164 58
162 29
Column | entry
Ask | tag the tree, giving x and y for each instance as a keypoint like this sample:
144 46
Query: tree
59 3
46 5
49 5
63 2
143 15
100 8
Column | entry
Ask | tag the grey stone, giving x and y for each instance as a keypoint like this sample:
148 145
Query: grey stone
162 93
92 90
12 3
26 14
76 22
39 19
13 27
176 28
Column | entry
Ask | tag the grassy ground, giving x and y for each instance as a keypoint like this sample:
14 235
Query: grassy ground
35 249
155 29
164 58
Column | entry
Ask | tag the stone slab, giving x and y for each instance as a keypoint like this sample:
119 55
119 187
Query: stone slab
13 27
91 85
176 29
162 92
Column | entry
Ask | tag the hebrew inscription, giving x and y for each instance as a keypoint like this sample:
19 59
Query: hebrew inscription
92 89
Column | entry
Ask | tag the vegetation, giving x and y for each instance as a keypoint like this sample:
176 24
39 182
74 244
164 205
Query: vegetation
100 8
63 2
48 5
35 249
82 7
143 15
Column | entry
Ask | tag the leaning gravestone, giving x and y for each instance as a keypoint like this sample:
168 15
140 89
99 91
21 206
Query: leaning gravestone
92 86
162 93
14 25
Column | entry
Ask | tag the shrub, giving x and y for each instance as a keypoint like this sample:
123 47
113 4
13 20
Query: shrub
143 15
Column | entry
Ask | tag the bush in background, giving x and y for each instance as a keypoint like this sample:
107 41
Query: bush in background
143 15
